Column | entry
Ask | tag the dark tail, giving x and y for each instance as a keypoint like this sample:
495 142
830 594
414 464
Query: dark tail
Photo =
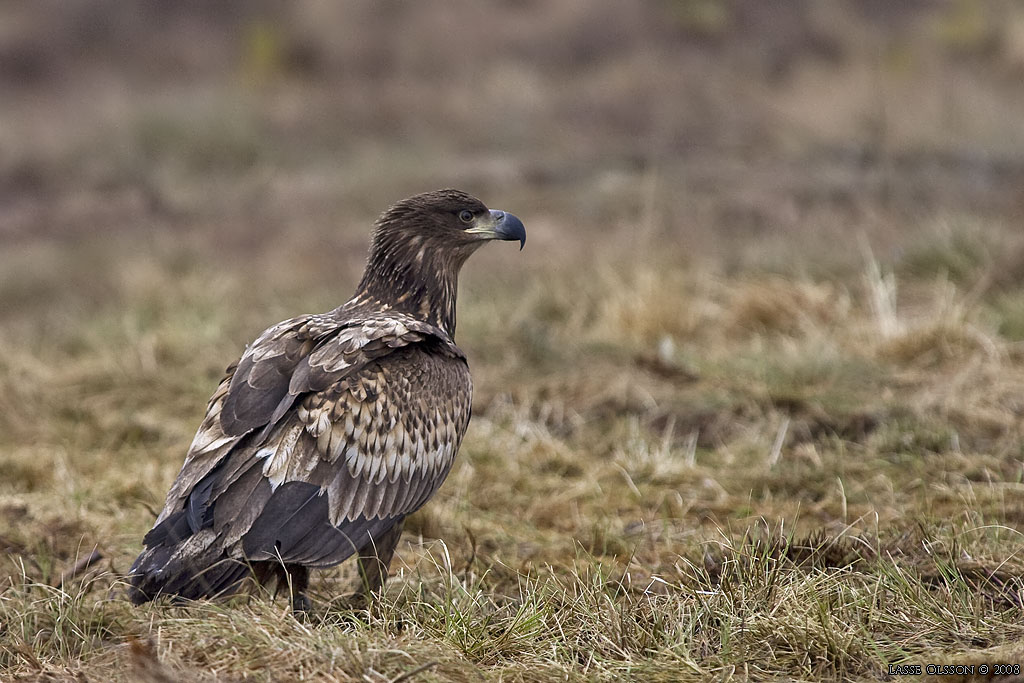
183 563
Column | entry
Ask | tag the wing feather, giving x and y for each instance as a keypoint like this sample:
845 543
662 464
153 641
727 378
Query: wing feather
325 434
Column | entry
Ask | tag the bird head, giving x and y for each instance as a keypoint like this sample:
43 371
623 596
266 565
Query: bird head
419 247
448 219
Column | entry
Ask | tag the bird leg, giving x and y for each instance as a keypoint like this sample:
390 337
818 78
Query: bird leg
375 558
288 576
299 579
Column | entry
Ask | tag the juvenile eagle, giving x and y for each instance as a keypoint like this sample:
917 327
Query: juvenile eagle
331 428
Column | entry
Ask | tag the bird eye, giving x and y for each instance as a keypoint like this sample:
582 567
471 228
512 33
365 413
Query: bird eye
466 216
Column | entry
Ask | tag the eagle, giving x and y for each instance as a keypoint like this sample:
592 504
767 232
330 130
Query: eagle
331 428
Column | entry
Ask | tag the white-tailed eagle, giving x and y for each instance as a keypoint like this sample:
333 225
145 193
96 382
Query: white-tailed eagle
331 428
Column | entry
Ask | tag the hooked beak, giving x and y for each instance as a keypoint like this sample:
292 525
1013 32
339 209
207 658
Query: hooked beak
500 226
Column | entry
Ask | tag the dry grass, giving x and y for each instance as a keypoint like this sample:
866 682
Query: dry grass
730 474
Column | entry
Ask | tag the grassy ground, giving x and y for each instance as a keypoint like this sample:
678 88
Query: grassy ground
747 407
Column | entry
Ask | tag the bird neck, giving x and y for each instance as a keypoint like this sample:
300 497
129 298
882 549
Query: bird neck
412 278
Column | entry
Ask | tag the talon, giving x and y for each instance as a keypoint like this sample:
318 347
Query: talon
301 605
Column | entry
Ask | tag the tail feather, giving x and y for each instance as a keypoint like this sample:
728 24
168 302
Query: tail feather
184 564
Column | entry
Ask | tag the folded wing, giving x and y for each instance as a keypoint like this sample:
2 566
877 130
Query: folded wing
325 435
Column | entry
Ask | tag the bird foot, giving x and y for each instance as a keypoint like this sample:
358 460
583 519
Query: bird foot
358 601
301 606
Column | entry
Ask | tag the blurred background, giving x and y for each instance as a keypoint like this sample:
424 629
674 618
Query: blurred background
694 123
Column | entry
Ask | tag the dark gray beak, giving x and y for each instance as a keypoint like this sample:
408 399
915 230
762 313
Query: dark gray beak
508 227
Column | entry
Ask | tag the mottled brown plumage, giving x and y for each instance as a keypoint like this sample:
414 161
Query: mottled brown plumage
331 428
